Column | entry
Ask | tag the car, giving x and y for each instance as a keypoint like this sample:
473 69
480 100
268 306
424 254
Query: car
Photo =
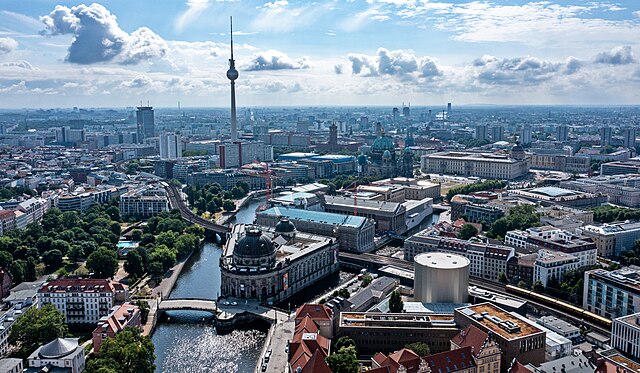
286 349
264 367
234 303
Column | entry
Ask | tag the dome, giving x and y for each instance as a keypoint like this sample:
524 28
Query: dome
517 148
253 244
407 151
386 154
362 159
58 348
285 226
383 143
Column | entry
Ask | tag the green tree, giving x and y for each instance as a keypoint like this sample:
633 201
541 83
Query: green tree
144 310
538 287
467 231
134 265
36 327
345 341
366 279
395 302
5 259
52 258
228 205
103 262
163 255
136 234
76 253
344 361
420 348
502 277
128 352
18 271
156 271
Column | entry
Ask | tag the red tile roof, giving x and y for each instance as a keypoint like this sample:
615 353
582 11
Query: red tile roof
472 337
91 285
451 361
516 367
7 214
315 311
316 364
306 325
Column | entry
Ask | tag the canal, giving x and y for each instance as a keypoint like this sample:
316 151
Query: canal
187 341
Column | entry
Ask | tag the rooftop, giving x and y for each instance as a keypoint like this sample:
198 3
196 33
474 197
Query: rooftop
316 216
442 260
498 321
553 191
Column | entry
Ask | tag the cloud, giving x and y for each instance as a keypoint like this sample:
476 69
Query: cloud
573 64
338 69
275 60
361 19
513 71
280 16
637 14
394 63
196 7
20 64
98 38
7 45
139 81
276 4
617 56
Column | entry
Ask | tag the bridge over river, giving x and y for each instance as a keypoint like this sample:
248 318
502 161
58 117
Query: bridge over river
222 311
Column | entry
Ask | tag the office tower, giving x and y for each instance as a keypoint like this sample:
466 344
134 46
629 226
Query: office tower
406 111
430 117
629 139
481 132
333 134
146 124
497 133
232 75
562 132
605 136
525 137
448 108
170 146
396 114
364 123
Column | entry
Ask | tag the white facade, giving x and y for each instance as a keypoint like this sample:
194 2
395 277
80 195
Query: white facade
146 201
625 334
170 146
486 165
553 264
62 353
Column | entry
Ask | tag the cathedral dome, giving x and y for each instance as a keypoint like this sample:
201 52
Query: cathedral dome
254 244
362 159
386 155
383 143
285 226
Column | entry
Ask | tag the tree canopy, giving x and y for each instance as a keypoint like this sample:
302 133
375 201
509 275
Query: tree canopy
128 352
475 187
103 262
36 327
344 361
467 231
395 302
420 348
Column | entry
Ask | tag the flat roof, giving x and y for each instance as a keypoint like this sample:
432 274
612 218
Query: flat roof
315 216
491 318
553 191
442 260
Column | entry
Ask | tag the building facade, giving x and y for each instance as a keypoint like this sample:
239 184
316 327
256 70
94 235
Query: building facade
147 201
625 334
485 165
612 293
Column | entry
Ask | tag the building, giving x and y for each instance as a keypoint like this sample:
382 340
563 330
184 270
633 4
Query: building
484 165
614 238
240 153
414 189
612 293
516 338
389 216
227 178
551 195
484 349
146 201
475 209
63 353
82 300
120 317
559 326
383 157
441 278
372 294
623 190
486 260
520 268
11 365
605 136
497 133
526 134
562 133
630 166
553 265
170 146
274 264
146 123
629 138
564 163
481 132
625 334
309 346
7 221
8 317
376 332
354 233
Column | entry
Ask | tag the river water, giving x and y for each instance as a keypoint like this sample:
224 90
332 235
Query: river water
187 342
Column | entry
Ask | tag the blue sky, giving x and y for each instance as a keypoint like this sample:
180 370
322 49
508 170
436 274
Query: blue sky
375 52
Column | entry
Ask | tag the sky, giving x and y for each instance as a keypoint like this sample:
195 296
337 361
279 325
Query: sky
334 52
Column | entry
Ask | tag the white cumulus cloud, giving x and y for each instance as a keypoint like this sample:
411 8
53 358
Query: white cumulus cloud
617 56
275 60
7 45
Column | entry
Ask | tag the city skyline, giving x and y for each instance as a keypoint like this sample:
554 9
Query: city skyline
331 53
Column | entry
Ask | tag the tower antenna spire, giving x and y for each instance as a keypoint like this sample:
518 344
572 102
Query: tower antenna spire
232 75
231 33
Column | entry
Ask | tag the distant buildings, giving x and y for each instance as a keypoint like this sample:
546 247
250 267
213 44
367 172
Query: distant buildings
631 166
170 146
605 136
389 216
625 334
612 293
497 133
485 165
559 196
145 122
614 238
82 300
481 132
146 201
525 135
629 137
622 190
562 133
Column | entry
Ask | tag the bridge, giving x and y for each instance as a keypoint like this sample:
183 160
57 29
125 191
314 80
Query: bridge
176 202
224 311
188 304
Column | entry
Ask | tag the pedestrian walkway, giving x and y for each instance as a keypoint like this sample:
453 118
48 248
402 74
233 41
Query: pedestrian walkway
277 343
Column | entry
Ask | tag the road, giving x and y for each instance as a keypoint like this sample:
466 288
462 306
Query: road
176 202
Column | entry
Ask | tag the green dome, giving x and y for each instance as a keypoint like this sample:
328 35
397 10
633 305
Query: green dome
383 143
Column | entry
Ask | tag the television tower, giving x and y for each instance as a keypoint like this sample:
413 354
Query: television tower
232 74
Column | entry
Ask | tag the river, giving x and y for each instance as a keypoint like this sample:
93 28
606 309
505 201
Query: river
187 341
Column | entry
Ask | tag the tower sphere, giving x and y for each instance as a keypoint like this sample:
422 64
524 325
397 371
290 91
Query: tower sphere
232 74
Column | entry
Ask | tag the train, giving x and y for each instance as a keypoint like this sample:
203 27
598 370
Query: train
570 309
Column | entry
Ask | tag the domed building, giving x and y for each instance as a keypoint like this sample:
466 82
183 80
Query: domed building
272 264
383 157
517 152
63 353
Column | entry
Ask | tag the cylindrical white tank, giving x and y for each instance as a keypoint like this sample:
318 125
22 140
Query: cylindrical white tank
441 278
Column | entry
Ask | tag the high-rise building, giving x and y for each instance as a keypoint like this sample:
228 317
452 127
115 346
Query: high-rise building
170 146
497 133
146 123
629 138
525 138
333 134
364 123
448 108
430 117
481 132
605 136
562 132
396 114
406 111
232 75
